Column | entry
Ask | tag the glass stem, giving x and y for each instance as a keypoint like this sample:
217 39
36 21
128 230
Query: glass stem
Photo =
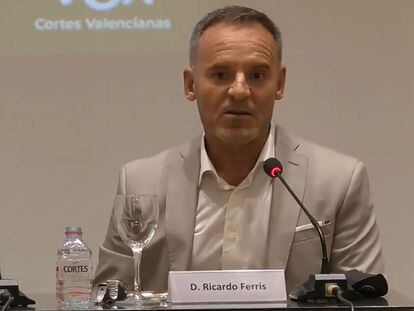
137 279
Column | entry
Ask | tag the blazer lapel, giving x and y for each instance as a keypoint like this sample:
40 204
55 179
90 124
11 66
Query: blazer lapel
284 210
181 205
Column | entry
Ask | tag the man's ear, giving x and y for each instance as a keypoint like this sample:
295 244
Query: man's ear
280 87
189 84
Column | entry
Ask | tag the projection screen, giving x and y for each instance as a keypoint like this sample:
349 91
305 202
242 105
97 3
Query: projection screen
87 85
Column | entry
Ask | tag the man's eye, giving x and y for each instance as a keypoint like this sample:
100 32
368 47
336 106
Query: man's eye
220 75
257 75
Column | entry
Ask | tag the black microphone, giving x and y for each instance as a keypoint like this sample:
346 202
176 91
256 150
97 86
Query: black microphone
319 286
273 168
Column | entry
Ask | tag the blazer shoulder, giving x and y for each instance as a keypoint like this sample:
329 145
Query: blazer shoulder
318 155
152 171
161 159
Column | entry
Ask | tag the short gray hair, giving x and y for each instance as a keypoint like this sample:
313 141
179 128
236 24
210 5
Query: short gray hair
234 15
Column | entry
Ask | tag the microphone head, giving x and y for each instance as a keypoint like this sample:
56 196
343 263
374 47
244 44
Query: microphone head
272 167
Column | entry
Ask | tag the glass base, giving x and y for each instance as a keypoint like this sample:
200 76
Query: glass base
144 299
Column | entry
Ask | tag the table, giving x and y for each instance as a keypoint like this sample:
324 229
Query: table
392 301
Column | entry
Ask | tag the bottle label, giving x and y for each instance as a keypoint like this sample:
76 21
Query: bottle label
74 270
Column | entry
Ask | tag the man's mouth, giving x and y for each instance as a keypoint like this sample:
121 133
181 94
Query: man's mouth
238 112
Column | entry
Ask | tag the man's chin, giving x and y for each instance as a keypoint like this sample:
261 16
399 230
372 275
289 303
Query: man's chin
238 136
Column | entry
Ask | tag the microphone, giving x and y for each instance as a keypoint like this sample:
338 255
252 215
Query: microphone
273 168
325 284
319 286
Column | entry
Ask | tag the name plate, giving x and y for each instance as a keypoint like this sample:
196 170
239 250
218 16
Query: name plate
226 286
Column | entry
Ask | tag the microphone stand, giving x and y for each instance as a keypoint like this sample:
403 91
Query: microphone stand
9 289
325 268
325 285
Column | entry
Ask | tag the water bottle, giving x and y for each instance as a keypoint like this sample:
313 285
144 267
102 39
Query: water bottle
73 270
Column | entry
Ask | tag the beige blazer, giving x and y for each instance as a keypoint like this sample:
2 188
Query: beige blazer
334 187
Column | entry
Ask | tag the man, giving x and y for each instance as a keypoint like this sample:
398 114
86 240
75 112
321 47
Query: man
218 209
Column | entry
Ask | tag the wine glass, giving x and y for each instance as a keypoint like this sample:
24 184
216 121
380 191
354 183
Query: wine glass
136 217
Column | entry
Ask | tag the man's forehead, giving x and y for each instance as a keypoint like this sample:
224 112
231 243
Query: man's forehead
223 39
227 29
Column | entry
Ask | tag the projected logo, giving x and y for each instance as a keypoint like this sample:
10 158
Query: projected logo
129 22
106 5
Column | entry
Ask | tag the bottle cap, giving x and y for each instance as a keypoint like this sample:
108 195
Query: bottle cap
73 230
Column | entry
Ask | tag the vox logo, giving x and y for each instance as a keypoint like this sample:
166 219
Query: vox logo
106 5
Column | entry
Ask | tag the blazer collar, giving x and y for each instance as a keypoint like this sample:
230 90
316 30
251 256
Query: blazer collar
181 204
285 212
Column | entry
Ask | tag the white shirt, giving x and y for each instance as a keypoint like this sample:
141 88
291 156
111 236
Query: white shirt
232 223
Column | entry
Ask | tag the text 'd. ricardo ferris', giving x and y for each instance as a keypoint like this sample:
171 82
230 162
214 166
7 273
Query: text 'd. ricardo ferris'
230 286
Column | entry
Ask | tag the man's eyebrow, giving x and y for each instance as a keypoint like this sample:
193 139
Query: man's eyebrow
265 66
216 66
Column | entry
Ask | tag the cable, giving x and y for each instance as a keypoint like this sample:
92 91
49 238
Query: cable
6 305
344 300
336 291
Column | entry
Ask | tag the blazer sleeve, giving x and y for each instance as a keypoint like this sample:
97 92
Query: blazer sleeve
115 257
356 243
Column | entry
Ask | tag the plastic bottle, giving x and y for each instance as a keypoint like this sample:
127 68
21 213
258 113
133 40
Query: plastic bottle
73 270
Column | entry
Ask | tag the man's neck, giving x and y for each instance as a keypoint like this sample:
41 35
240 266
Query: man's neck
234 162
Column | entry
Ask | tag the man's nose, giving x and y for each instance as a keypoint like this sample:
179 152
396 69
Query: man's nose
239 89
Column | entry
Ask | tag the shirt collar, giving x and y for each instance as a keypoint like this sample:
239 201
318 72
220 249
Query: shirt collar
268 151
